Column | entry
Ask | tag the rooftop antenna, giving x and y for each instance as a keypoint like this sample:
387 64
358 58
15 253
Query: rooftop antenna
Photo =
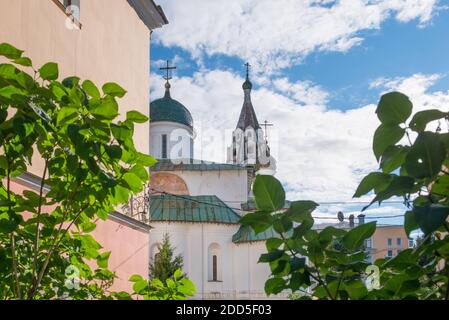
340 216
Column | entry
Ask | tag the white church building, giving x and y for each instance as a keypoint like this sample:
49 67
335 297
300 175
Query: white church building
199 203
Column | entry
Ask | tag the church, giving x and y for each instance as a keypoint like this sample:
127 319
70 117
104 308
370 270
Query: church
199 202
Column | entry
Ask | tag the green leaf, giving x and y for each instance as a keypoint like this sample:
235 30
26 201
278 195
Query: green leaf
301 210
49 71
430 217
274 285
282 225
271 256
9 51
136 278
133 181
140 171
121 194
422 118
410 223
24 61
356 289
107 109
355 237
298 279
394 108
113 151
384 137
273 243
121 133
136 116
259 221
297 263
145 160
375 180
187 287
393 157
91 89
140 286
426 156
32 196
269 194
103 259
65 115
399 186
303 228
10 91
113 89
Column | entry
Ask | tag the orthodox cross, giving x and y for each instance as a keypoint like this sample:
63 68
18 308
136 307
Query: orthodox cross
266 124
247 65
168 70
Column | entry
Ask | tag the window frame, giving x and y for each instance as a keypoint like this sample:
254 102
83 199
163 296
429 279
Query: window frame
164 146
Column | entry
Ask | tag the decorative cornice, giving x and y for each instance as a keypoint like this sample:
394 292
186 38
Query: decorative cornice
151 14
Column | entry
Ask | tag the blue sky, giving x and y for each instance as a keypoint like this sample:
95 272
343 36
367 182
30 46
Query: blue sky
320 67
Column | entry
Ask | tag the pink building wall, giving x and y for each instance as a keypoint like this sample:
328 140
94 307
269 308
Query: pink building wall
126 238
113 45
129 250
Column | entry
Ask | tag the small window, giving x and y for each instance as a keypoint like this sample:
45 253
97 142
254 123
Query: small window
390 242
398 251
214 268
164 146
411 243
399 241
74 8
389 253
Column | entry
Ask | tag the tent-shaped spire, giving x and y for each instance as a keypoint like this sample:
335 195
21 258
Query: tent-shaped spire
248 116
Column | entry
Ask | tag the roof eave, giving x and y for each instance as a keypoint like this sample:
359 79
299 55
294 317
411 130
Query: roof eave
151 14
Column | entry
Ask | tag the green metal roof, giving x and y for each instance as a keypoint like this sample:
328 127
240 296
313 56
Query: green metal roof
168 109
192 165
247 234
205 209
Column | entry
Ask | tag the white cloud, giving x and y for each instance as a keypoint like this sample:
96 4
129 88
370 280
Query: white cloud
322 154
273 34
304 92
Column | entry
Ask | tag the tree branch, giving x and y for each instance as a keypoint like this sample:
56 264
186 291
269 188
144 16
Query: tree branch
13 238
54 245
39 211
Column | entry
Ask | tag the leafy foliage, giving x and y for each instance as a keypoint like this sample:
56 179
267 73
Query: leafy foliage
165 265
420 177
319 264
90 166
176 287
331 263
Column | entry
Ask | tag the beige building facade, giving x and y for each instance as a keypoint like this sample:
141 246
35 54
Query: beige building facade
103 41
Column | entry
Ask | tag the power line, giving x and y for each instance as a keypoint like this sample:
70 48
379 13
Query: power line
240 209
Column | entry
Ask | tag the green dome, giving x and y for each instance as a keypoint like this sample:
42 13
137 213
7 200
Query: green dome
168 109
247 85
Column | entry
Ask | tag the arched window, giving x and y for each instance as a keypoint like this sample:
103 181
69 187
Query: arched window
214 268
214 262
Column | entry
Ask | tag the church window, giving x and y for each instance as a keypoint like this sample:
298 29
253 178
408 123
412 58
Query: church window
214 262
164 146
214 268
74 8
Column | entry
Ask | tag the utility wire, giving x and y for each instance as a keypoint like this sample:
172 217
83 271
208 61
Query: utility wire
240 209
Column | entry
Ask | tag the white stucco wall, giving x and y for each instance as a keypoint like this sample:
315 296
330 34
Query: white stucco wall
179 140
241 276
